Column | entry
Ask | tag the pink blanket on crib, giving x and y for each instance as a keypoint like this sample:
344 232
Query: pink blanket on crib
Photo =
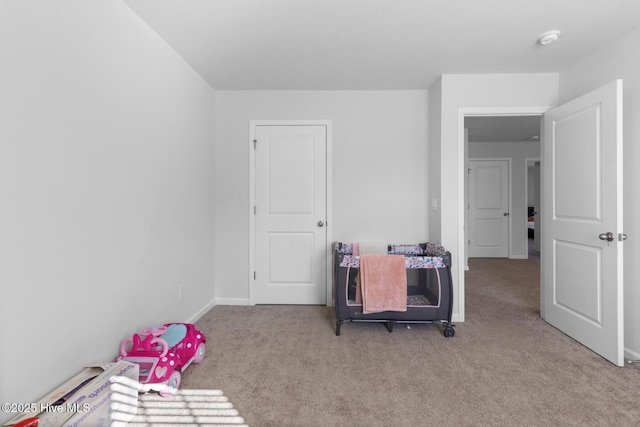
383 283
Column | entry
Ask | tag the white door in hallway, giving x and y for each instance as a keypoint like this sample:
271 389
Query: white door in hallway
488 208
582 262
290 214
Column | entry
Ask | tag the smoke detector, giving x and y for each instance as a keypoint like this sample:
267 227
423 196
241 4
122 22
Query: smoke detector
549 37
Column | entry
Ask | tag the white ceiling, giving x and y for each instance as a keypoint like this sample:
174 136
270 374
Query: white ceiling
383 44
378 44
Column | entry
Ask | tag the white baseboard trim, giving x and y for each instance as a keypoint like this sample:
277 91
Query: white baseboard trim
631 355
202 312
518 257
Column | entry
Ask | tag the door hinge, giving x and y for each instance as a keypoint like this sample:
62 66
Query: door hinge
255 141
254 275
255 209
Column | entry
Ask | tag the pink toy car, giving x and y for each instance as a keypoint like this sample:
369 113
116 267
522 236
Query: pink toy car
163 353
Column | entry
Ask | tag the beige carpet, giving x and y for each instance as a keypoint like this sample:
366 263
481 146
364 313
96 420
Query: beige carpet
284 366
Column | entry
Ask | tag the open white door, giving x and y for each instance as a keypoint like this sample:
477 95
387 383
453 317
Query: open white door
582 262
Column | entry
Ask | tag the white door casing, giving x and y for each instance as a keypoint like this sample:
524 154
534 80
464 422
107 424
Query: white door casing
489 208
289 213
536 208
459 264
582 275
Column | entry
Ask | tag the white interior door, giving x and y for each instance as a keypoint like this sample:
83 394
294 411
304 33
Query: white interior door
582 280
488 208
290 215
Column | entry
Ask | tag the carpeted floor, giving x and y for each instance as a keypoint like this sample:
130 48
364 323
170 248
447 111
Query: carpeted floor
284 366
186 408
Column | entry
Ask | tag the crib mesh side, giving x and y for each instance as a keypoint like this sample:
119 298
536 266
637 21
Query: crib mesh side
423 287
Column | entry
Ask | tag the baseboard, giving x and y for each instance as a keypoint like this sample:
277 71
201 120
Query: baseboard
518 257
213 303
232 301
631 355
202 311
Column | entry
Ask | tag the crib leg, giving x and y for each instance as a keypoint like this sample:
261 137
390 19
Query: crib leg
390 324
448 332
338 324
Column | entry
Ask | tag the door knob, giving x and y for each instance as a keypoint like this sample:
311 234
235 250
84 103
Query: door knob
505 214
606 236
320 224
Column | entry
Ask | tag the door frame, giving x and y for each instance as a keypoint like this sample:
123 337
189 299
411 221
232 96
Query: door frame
509 190
536 232
463 155
329 198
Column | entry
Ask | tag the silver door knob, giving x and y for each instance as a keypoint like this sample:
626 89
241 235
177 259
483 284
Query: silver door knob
320 224
606 236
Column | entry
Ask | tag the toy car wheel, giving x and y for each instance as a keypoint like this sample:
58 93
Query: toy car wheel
172 385
199 353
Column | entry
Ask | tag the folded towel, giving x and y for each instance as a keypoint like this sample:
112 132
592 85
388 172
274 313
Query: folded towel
383 283
369 248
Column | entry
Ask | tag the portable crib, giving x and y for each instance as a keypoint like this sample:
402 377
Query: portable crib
429 287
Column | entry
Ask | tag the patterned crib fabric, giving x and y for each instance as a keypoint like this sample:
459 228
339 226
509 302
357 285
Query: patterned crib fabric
344 248
429 248
434 249
350 261
406 249
424 262
353 261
